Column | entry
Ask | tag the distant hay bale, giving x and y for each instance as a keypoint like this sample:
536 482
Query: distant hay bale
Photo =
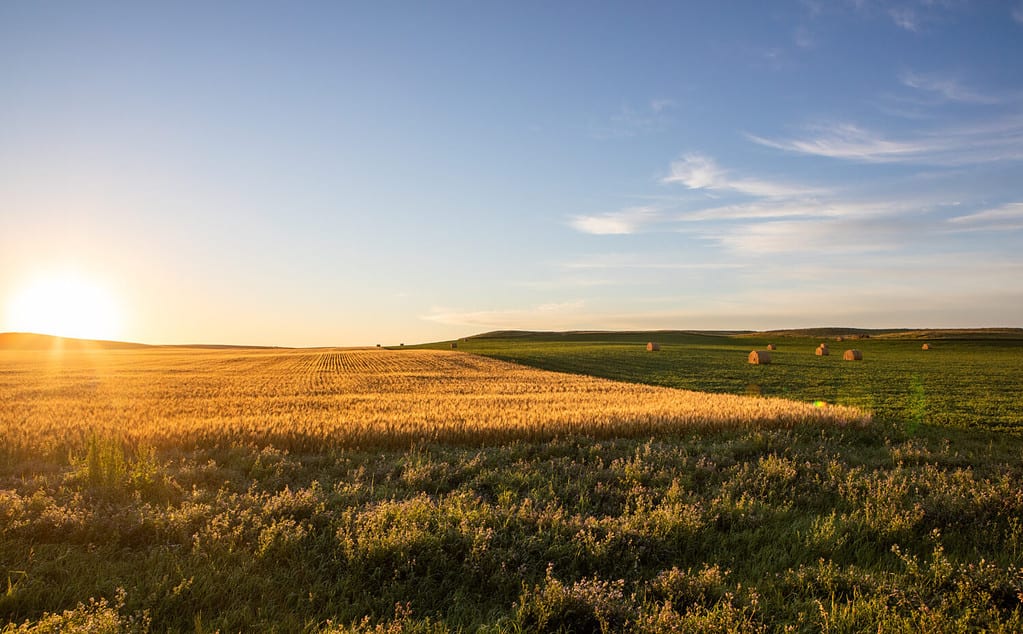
653 347
453 345
822 351
839 338
760 357
852 355
926 346
771 346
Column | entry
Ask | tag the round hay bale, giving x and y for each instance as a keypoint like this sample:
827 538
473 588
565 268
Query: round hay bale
653 347
771 346
926 346
822 351
852 355
839 338
760 357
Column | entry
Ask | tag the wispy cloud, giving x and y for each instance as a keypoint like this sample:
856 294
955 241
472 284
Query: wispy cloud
544 316
948 88
993 140
696 171
959 269
661 105
781 218
633 261
846 141
1004 218
905 18
802 38
832 236
630 220
763 210
901 302
1017 13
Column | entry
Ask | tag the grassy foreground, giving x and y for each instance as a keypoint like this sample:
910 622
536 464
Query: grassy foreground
808 526
813 528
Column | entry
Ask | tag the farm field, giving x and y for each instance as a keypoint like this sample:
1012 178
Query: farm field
972 381
434 491
351 398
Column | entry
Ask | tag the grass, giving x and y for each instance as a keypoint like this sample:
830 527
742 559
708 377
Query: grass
804 526
304 400
972 383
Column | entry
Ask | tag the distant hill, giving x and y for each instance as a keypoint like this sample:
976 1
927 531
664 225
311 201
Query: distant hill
598 334
667 336
829 331
957 333
898 333
223 346
32 341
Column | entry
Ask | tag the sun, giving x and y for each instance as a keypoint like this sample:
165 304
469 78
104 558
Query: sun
66 305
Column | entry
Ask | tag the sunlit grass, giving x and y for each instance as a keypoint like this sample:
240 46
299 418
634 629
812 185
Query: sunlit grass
184 490
312 400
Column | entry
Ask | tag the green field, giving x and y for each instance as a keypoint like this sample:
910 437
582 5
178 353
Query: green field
913 523
971 381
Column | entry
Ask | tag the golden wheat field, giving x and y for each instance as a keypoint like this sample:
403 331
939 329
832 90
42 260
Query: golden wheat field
319 398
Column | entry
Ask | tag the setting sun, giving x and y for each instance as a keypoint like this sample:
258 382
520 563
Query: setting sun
66 305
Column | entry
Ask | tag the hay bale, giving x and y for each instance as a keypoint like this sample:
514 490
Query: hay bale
760 357
653 347
852 355
771 346
926 346
822 351
839 338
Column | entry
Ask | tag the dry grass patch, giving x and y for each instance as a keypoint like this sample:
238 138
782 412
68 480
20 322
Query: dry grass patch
311 399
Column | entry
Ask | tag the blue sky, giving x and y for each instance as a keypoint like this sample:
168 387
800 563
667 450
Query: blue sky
354 173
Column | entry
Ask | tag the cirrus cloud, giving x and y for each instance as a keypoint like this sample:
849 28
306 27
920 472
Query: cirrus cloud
626 221
697 171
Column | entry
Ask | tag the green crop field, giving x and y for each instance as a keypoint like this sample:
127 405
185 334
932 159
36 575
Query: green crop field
964 382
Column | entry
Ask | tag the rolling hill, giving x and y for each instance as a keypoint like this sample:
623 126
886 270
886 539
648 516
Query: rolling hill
32 341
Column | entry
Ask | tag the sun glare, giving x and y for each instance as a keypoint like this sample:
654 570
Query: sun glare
65 305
